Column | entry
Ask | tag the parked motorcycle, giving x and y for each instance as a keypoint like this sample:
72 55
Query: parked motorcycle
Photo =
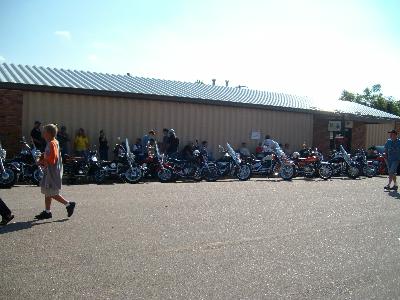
25 164
379 162
342 165
8 176
312 165
197 168
230 164
80 168
367 167
272 164
124 167
155 166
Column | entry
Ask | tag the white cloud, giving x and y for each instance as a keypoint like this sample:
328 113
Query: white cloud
64 34
2 58
92 57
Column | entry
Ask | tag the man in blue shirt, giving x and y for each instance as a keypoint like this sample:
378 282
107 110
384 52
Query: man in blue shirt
392 150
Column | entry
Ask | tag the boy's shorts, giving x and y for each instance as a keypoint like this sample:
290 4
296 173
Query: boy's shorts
392 167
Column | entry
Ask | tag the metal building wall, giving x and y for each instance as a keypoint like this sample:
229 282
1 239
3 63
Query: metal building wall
377 133
132 118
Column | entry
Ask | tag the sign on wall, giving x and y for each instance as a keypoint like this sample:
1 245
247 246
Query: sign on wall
255 135
335 126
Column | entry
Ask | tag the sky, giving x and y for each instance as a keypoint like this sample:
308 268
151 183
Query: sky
314 48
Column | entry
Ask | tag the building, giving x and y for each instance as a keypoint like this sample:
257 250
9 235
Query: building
127 106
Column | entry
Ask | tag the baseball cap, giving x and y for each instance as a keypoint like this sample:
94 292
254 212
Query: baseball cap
393 131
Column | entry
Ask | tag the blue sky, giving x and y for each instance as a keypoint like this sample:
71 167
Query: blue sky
314 48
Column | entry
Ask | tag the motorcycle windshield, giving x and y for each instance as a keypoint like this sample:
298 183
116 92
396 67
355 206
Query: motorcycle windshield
232 153
346 156
128 149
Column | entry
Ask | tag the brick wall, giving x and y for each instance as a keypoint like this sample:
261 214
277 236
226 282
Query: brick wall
10 120
321 135
359 136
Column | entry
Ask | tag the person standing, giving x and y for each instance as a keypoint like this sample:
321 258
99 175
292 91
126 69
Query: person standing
5 213
147 137
173 143
51 182
81 143
165 141
37 138
63 140
392 152
103 146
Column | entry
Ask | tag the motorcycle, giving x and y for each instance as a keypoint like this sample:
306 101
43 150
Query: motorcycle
342 165
230 164
124 167
8 176
272 164
312 165
80 168
155 166
367 167
25 164
379 162
197 168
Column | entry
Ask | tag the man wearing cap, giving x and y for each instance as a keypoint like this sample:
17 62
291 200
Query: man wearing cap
37 138
392 150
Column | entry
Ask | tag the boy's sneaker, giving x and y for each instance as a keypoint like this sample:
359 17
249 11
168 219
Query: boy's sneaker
44 215
70 209
6 220
394 188
387 188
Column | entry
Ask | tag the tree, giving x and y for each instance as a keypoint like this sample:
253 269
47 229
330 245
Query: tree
374 98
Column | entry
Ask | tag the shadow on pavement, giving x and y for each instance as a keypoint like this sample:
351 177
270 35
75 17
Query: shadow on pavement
17 226
394 194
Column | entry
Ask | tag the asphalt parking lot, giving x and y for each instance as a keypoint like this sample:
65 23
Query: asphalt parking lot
261 239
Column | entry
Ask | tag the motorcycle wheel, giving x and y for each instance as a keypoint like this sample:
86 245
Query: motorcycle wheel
37 176
325 172
353 172
99 176
133 175
198 175
8 179
164 175
212 173
287 172
244 172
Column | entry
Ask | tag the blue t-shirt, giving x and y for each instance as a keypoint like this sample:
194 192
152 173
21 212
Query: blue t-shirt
392 149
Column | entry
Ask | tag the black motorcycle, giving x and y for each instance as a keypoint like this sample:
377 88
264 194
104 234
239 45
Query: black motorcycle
342 165
8 176
196 168
124 167
367 168
230 164
25 164
80 168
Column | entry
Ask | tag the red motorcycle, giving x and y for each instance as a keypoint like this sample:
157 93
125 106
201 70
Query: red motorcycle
311 165
155 166
379 161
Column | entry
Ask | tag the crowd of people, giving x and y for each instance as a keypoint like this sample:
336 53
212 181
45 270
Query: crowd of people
169 144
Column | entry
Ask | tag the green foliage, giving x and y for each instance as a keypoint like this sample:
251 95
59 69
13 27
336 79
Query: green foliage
374 98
